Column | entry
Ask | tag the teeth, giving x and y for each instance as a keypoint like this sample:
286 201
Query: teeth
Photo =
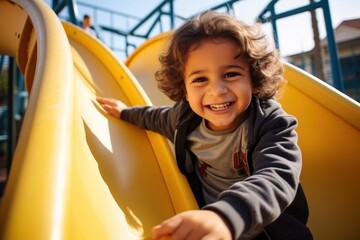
219 106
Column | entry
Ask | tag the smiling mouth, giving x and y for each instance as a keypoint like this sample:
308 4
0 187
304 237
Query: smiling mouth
219 107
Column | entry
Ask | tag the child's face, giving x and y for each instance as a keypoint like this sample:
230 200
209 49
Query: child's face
218 83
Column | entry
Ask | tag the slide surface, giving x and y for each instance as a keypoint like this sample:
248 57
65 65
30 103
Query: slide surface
77 172
329 136
80 174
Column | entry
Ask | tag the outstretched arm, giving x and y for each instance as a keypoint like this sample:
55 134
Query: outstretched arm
112 106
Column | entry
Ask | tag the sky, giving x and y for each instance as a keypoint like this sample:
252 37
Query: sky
295 32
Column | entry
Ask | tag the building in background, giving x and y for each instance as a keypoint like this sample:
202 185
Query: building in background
347 35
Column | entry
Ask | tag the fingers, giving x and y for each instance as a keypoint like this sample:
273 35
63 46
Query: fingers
200 224
166 228
179 227
106 101
111 106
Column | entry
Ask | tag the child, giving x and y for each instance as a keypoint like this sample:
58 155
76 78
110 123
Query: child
235 144
86 25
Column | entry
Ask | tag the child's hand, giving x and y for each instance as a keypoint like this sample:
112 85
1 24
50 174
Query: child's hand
111 106
195 224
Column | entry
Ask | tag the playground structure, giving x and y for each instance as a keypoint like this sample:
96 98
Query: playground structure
78 173
120 39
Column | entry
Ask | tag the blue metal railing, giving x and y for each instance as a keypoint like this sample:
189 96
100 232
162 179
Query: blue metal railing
115 19
134 27
269 15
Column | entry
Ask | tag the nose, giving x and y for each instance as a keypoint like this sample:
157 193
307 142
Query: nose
218 87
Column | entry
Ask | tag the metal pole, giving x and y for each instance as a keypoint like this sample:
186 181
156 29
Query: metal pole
172 18
333 51
73 11
274 26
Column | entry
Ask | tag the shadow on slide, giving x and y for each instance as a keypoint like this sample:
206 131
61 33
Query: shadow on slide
78 173
329 136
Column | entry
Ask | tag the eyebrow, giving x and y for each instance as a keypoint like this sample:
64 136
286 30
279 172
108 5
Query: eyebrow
226 66
195 72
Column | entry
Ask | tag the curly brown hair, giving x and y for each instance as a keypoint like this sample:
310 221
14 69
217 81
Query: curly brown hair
265 64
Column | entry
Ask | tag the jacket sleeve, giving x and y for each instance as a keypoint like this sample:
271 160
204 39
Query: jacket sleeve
157 119
248 206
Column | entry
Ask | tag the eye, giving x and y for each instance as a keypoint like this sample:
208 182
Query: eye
231 74
199 80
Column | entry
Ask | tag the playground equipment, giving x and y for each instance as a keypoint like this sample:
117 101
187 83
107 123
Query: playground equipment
78 173
120 39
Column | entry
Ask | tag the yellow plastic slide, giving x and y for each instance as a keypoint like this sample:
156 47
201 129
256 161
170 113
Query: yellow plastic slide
329 136
78 173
